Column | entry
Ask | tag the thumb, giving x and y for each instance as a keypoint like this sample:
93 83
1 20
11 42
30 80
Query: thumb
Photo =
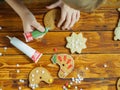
27 28
38 26
54 5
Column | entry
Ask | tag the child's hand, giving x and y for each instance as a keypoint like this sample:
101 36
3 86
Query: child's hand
69 16
30 23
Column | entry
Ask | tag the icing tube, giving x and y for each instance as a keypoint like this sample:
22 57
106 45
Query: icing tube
29 36
27 50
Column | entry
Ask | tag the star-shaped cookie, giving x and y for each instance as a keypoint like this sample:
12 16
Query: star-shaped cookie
76 42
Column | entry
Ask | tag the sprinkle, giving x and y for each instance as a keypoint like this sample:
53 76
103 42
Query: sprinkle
105 65
5 48
19 88
22 81
33 80
17 65
76 87
50 80
55 49
69 86
71 83
37 71
73 79
33 88
86 68
0 28
64 87
81 89
36 85
0 54
43 72
33 75
66 84
18 71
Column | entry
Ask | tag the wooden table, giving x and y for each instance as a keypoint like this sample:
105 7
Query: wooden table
101 49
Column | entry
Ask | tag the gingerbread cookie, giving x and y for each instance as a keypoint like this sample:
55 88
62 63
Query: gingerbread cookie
76 42
118 84
51 19
65 62
117 30
37 75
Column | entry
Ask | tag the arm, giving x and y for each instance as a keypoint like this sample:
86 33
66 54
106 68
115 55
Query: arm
19 7
28 19
69 16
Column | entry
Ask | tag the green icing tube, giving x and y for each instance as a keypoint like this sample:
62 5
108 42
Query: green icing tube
36 33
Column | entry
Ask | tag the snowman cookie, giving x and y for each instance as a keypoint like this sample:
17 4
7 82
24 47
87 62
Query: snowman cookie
65 62
118 84
117 30
37 75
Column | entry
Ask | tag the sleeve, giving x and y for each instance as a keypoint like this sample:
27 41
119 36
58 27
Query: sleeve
84 5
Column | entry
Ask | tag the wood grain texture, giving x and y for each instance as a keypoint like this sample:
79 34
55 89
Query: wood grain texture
101 50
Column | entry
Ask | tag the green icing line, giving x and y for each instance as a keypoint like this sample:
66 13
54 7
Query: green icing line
54 58
37 33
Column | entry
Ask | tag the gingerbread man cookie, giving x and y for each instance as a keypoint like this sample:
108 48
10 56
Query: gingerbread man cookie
76 42
117 30
65 62
51 18
118 84
37 75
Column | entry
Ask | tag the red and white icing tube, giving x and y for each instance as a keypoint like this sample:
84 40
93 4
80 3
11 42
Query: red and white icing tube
27 50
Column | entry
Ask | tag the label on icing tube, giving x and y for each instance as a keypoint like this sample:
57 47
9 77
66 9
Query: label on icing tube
34 35
27 50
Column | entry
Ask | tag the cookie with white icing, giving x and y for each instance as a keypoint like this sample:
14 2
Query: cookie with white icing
118 84
37 75
76 42
117 30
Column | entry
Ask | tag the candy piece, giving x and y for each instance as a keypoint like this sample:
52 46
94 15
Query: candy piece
51 18
76 42
39 76
65 62
118 84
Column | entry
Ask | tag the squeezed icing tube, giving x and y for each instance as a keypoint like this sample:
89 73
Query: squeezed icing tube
29 36
27 50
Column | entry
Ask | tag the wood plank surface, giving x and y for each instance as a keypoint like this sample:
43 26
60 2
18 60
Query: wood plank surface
97 27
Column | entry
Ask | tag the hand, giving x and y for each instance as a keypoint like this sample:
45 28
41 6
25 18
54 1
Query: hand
30 23
69 16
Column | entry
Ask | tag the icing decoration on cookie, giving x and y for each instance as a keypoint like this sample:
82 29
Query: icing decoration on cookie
37 75
117 30
76 42
51 18
118 84
65 62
